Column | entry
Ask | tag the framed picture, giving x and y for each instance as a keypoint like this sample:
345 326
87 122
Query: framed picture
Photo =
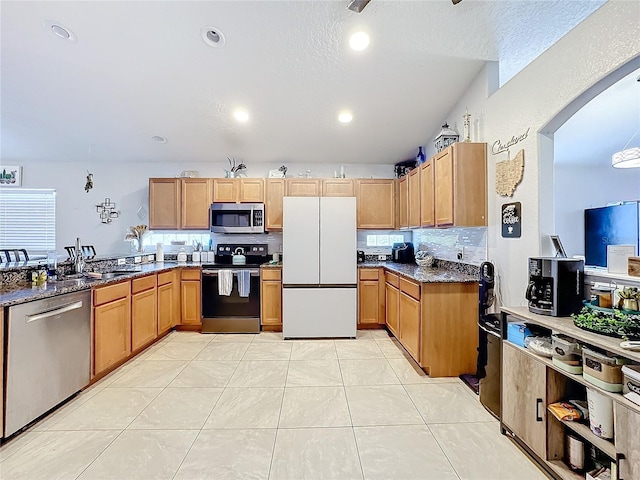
10 176
276 174
512 220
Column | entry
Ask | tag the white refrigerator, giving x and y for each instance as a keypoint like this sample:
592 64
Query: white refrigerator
319 271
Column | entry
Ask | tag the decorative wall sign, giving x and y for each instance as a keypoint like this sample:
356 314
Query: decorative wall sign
499 147
10 176
511 220
107 211
509 175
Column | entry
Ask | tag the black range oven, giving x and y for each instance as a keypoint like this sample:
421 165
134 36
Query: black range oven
234 306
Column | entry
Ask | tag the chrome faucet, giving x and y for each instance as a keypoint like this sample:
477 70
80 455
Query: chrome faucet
78 263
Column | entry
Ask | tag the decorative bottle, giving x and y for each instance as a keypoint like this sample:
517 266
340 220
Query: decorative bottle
420 158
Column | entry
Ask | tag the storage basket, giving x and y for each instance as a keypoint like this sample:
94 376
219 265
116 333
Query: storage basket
603 370
631 383
567 353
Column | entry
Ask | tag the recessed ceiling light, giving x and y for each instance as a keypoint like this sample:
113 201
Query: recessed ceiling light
159 139
359 41
241 115
57 30
212 36
345 117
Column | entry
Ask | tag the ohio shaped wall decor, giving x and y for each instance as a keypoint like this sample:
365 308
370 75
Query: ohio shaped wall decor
509 175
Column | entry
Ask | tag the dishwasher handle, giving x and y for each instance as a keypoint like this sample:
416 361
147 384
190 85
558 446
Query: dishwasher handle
55 311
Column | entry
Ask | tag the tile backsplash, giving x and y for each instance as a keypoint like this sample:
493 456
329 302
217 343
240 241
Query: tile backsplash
445 244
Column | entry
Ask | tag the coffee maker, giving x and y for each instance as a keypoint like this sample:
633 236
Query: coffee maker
556 286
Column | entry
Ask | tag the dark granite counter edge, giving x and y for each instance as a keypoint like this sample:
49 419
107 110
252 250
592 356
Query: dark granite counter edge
28 293
423 274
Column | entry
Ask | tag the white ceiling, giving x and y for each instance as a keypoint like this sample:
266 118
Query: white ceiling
140 69
602 127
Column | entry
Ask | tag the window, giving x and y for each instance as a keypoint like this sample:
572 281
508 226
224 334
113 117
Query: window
384 240
28 219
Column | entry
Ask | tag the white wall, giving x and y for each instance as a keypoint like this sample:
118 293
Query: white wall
127 184
601 185
598 46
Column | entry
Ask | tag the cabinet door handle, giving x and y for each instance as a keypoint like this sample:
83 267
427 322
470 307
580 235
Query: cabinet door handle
619 457
538 416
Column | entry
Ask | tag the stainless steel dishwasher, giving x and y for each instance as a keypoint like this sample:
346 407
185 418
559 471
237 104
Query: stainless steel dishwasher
48 355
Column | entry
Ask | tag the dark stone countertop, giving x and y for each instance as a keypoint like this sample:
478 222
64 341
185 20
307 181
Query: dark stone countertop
20 293
423 274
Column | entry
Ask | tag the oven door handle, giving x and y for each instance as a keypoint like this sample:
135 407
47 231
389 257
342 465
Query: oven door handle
251 221
214 273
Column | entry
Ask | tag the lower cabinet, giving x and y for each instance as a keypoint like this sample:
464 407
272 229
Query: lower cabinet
371 297
524 406
144 324
112 326
627 432
168 300
409 313
392 299
190 297
271 298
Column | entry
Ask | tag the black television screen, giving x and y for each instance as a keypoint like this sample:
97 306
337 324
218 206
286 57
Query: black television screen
614 225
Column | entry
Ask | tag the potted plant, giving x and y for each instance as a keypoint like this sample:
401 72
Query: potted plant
629 297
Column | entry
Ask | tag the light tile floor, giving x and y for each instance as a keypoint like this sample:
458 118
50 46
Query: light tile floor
256 407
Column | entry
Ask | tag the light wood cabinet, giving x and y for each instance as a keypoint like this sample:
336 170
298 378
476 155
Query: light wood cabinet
414 198
190 297
143 318
460 173
409 316
392 300
112 333
164 203
524 402
303 187
196 200
427 194
371 297
225 189
449 328
238 190
168 300
375 199
275 192
627 440
338 187
271 297
403 203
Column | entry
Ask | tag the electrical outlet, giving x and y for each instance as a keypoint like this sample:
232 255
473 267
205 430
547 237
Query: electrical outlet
137 259
382 257
122 261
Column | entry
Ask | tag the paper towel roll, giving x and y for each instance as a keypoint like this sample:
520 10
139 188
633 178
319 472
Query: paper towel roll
159 253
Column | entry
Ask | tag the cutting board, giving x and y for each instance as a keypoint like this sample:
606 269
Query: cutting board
634 266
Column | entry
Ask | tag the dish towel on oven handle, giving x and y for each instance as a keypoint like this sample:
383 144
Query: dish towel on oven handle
225 282
244 283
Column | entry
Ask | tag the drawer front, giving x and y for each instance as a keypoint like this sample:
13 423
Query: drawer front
410 288
191 274
165 277
368 273
271 274
392 279
102 295
142 284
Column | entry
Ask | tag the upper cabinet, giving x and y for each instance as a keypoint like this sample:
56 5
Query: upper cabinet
376 203
427 194
196 199
179 203
275 191
460 177
238 190
403 204
338 187
303 187
164 203
414 198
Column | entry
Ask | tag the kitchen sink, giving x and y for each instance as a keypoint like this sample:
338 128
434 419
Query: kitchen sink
106 276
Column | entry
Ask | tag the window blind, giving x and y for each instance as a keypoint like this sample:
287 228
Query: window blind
28 219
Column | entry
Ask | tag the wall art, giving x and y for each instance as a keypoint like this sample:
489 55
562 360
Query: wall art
512 220
10 176
509 174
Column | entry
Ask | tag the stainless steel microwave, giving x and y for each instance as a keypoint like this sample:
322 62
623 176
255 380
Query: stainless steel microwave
237 217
